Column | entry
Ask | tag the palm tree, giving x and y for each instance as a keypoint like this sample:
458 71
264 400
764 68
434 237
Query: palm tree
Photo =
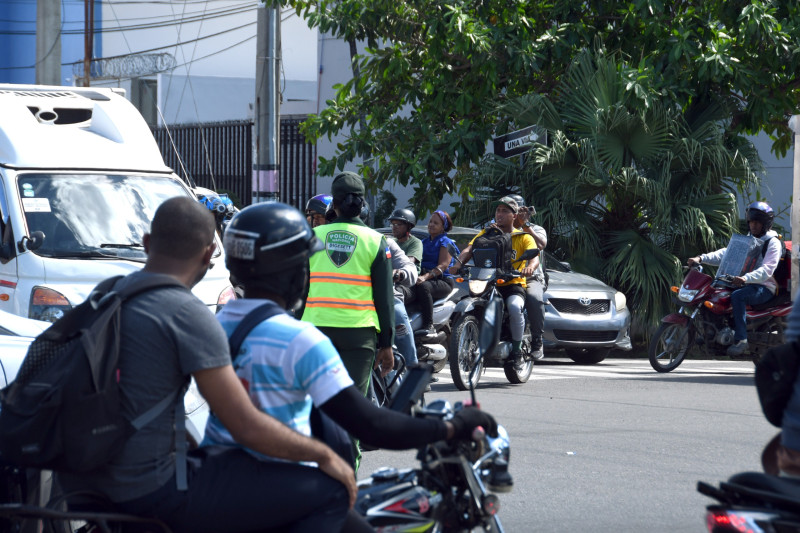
624 178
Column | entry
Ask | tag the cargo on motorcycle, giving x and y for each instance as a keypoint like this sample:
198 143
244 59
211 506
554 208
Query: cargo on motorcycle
741 311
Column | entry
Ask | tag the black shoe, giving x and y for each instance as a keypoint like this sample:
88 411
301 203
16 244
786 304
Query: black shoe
537 353
430 331
518 358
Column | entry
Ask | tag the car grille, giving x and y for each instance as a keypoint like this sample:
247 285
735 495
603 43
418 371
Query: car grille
585 336
565 305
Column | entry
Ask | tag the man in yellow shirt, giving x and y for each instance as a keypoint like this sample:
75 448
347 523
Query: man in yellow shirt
513 292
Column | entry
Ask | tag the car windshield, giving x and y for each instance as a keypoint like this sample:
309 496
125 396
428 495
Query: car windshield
93 215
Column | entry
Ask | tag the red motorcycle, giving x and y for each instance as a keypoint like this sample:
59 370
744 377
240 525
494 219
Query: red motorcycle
705 320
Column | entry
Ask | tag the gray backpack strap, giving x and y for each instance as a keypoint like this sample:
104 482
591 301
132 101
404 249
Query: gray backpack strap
180 444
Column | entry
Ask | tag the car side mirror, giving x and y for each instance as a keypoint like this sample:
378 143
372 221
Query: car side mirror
32 242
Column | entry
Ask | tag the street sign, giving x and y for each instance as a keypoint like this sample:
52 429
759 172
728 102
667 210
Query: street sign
518 142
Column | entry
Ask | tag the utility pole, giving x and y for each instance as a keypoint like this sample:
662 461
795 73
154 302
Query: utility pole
48 42
266 160
794 124
88 40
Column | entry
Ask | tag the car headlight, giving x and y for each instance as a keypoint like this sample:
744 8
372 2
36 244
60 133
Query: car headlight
620 302
687 295
47 305
477 286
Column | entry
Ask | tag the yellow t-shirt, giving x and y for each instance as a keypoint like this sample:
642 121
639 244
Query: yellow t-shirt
520 241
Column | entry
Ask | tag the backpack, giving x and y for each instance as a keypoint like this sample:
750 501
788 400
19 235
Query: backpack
783 272
776 373
322 426
63 412
493 249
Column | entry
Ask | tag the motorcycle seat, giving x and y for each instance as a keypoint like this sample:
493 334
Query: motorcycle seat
781 298
780 491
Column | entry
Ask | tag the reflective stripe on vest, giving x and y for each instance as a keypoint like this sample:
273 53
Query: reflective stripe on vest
340 289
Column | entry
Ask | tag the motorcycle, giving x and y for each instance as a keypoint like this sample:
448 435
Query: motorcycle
470 311
433 349
754 501
453 488
705 318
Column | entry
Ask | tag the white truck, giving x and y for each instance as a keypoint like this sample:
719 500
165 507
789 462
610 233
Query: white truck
80 179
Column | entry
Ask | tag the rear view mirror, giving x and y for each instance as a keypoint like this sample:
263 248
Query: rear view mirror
34 242
529 254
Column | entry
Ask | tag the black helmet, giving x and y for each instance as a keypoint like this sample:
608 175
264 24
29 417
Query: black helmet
318 204
406 215
364 214
267 247
760 212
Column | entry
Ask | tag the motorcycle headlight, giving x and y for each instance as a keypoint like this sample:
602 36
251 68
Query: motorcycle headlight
620 301
477 286
687 295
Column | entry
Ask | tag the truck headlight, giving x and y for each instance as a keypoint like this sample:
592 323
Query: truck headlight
47 305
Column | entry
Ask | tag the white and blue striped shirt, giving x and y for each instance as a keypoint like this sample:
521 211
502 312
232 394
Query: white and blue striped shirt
285 365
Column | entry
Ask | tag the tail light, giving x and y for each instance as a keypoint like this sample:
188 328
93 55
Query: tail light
739 521
490 504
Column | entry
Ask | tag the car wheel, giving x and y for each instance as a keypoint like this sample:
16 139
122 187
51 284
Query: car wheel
588 356
464 352
669 346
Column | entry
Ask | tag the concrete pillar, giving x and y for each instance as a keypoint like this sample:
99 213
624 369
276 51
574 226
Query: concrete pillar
48 42
794 124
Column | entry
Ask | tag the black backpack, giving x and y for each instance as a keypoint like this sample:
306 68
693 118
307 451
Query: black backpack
493 249
62 412
776 373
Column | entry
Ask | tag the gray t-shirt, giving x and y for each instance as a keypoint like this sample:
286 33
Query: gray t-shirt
167 334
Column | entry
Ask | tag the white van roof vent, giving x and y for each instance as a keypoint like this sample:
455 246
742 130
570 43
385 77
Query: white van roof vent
74 127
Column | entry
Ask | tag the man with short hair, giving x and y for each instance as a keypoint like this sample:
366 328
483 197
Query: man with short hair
167 337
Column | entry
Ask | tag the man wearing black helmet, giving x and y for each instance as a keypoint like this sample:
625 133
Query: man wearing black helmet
534 299
285 364
316 207
758 285
403 221
167 335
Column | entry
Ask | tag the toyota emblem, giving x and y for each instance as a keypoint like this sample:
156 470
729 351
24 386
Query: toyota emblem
584 301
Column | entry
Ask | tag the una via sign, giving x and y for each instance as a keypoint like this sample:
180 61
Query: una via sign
518 142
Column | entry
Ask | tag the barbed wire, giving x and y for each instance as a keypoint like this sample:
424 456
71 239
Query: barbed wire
130 66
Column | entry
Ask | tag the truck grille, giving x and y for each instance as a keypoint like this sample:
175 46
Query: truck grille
585 336
565 305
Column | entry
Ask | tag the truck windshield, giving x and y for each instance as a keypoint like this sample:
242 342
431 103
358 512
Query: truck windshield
93 215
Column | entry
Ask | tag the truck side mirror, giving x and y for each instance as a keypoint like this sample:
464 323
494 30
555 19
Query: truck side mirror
34 242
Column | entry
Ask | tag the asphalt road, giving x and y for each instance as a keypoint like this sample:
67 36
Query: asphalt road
615 446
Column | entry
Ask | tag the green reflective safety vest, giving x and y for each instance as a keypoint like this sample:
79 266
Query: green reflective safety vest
340 290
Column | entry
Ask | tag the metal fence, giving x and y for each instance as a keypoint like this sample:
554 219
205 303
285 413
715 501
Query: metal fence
219 156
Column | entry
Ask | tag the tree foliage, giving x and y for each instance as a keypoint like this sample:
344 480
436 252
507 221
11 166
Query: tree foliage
434 72
626 186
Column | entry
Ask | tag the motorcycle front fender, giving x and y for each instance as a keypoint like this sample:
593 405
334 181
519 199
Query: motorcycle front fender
466 305
675 318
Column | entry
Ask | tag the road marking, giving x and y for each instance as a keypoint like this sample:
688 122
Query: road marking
617 369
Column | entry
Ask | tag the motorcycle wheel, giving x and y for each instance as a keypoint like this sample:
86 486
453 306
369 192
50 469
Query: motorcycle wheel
773 330
669 346
587 356
464 352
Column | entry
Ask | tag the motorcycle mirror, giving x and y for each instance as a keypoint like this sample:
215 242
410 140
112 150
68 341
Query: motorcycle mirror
32 242
530 254
452 250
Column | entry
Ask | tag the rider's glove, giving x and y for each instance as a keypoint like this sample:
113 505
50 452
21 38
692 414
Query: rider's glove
399 276
468 419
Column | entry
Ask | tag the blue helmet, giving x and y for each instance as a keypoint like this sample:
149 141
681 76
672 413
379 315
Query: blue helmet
318 204
760 212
